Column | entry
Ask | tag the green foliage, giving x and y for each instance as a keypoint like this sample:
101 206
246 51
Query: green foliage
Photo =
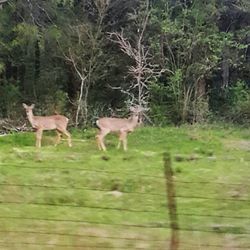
238 93
238 102
2 67
192 48
55 102
10 96
25 34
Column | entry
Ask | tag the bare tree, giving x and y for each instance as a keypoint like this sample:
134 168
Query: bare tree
83 53
143 70
78 66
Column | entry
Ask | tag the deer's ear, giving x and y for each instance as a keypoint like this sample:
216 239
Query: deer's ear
25 106
141 109
32 106
132 109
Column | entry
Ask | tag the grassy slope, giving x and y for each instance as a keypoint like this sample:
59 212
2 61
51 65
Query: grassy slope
71 190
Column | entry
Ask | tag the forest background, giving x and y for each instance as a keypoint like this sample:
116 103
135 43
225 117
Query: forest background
186 61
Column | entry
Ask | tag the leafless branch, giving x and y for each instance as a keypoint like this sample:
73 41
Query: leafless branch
123 43
143 69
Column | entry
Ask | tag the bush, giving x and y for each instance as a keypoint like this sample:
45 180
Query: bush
233 104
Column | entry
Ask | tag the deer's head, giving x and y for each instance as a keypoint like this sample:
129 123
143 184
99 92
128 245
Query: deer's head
28 109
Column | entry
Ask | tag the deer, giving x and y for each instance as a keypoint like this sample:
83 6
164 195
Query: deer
122 126
53 122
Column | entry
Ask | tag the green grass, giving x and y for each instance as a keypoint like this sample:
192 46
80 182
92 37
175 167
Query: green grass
81 198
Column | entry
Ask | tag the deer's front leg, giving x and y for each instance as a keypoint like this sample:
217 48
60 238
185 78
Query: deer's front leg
123 138
98 142
119 141
39 134
101 137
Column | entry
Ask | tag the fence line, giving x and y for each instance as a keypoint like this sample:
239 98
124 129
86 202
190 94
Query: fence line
79 188
157 225
127 192
66 245
144 226
2 243
127 173
137 193
79 206
83 235
212 183
139 211
215 216
119 209
83 169
212 198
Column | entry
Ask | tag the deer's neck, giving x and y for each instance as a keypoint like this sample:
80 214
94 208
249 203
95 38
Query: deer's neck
31 118
134 120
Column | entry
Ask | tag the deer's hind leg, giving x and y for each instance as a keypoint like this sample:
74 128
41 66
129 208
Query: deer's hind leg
58 138
65 132
69 137
123 139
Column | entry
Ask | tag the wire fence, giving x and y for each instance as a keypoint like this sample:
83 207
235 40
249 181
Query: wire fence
117 234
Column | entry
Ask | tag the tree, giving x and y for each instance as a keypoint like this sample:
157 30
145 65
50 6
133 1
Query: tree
84 51
142 70
191 48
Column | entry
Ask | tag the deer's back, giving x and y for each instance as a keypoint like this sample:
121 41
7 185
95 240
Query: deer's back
114 124
50 122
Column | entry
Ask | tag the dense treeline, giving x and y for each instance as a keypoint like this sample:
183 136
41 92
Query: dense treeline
185 60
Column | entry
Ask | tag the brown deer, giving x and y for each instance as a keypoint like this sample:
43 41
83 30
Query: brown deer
53 122
122 126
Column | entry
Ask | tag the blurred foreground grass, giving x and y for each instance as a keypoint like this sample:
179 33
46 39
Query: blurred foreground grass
81 198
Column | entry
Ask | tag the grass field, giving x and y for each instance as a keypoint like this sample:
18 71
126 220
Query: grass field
81 198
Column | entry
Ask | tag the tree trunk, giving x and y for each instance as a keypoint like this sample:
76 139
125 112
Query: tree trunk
225 69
